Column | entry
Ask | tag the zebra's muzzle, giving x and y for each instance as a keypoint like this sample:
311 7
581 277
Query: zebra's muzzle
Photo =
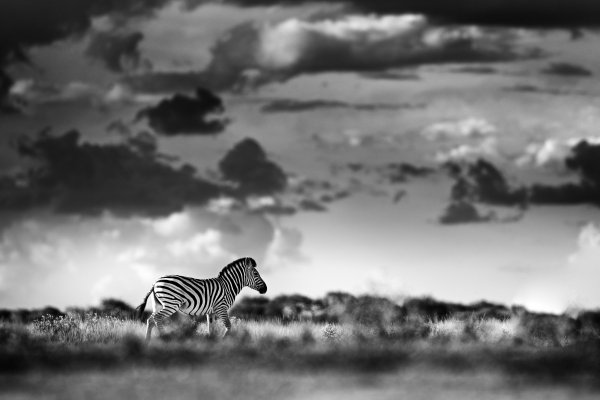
262 289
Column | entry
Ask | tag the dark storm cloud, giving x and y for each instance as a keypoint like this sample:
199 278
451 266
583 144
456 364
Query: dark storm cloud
29 23
483 182
6 106
584 160
514 13
567 69
253 54
463 212
183 115
82 178
292 105
247 165
118 51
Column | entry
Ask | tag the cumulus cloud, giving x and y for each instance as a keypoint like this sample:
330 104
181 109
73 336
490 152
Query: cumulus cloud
486 149
254 54
27 93
550 154
117 51
463 212
286 248
459 129
183 115
247 165
582 160
38 92
108 256
353 43
482 182
27 24
83 178
511 13
573 285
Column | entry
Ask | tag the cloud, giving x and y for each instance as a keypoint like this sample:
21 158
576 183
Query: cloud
108 256
568 70
573 285
552 152
269 205
118 51
486 149
527 88
27 24
250 55
160 82
285 249
482 182
183 115
33 91
459 129
390 76
476 69
293 105
583 160
463 212
511 13
27 93
247 165
312 205
83 178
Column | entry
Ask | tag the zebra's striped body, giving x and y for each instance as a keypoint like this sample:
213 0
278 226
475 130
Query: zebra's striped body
201 296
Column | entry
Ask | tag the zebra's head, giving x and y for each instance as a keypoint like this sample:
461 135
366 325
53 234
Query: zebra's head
253 278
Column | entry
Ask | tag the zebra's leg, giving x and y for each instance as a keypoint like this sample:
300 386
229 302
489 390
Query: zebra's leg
151 322
168 308
224 316
149 325
208 323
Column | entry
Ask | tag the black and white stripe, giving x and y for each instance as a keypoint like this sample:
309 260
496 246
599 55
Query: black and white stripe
201 296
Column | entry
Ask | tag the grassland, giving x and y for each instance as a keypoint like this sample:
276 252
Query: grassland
97 357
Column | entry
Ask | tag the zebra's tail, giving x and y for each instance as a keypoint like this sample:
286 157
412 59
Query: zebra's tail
139 310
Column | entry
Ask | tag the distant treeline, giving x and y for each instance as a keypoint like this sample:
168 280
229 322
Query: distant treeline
339 307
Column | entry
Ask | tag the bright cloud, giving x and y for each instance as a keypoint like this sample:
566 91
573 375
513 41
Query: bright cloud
254 54
459 129
551 153
574 285
487 148
94 258
35 92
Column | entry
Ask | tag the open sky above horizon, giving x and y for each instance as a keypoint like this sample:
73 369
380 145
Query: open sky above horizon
426 149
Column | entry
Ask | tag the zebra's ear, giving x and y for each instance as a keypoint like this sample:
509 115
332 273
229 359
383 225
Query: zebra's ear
249 262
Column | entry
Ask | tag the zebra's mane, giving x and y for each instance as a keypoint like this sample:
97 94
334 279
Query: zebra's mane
233 265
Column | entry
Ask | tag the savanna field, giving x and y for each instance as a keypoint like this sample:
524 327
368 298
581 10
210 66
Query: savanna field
293 347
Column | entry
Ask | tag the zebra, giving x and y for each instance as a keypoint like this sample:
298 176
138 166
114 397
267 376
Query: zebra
201 296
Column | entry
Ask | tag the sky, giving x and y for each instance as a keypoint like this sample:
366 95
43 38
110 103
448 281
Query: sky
408 148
